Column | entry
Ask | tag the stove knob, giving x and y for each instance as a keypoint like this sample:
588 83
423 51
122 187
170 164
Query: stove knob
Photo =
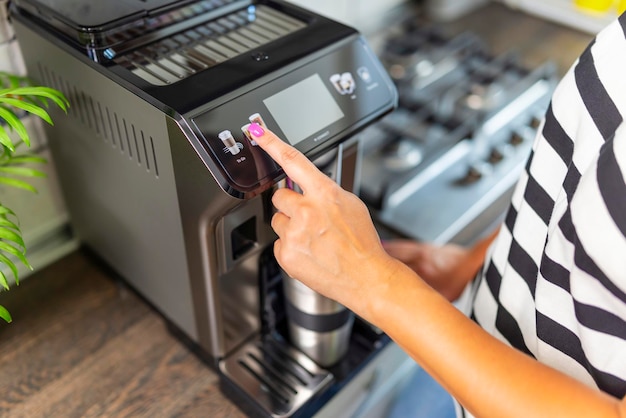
535 121
424 68
472 175
402 154
495 156
397 72
516 138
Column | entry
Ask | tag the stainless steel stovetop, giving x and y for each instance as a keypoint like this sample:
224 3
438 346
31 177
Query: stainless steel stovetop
442 167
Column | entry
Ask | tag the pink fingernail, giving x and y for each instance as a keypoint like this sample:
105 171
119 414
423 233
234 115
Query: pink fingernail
256 130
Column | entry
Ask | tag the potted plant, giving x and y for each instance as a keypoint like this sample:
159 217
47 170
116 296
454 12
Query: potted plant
19 96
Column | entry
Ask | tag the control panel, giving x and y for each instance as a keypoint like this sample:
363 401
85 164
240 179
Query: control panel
312 107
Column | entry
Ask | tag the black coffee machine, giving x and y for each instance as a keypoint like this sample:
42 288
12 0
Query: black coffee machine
162 182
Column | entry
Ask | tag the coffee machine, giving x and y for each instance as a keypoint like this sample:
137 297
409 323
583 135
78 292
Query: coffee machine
162 182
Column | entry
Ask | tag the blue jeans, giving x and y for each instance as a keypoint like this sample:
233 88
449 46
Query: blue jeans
422 397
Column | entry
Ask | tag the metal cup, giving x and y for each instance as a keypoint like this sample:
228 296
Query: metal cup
318 326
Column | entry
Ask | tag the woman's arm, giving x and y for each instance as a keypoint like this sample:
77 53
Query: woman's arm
486 376
327 240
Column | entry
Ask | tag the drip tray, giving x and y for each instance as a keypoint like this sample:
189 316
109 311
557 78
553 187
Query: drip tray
277 377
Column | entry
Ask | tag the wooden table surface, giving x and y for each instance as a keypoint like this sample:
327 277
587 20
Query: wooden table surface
83 345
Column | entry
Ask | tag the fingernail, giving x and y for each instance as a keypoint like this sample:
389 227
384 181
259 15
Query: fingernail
256 130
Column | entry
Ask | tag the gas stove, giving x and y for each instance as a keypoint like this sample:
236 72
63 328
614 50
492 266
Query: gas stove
442 167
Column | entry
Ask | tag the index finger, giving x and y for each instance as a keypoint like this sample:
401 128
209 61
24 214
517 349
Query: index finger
297 167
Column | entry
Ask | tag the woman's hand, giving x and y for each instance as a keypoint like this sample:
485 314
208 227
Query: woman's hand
326 238
447 268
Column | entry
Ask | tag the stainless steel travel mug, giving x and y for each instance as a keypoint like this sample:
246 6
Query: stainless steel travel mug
318 326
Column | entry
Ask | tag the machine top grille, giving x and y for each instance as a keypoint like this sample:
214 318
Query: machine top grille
185 53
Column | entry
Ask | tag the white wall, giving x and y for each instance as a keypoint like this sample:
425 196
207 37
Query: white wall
365 15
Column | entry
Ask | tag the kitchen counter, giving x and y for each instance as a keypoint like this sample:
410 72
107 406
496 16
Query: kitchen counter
82 344
535 40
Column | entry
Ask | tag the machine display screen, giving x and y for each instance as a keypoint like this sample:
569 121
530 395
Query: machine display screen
304 108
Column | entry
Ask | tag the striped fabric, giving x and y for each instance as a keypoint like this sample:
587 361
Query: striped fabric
555 283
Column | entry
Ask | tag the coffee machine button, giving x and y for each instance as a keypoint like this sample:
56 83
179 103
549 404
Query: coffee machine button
258 119
232 146
247 134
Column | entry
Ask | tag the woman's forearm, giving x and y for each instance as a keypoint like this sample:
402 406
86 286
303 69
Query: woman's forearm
488 377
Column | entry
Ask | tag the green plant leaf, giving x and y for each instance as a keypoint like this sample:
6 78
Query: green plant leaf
3 281
19 94
5 140
4 314
41 93
6 223
26 158
12 80
22 171
4 211
31 108
10 235
20 254
17 183
10 264
15 123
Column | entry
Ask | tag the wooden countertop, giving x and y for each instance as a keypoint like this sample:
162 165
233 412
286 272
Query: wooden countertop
83 345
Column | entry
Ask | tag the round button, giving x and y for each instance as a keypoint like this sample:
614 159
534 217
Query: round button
260 56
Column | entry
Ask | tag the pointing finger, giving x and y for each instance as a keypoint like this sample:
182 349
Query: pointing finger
297 167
